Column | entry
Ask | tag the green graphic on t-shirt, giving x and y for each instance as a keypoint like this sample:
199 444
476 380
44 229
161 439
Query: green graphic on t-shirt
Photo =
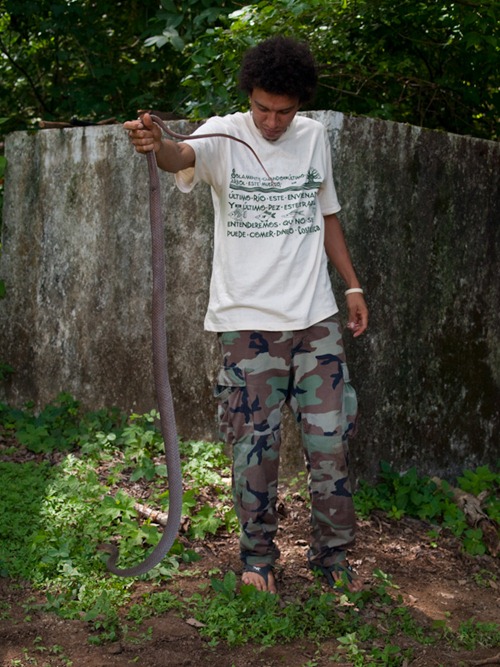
260 208
251 183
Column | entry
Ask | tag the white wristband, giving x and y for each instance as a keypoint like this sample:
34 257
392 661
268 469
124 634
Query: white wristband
354 290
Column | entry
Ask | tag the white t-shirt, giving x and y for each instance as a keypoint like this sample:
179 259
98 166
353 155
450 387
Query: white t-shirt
270 269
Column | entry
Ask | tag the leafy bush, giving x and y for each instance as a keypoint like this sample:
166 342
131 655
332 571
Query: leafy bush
429 64
417 496
60 426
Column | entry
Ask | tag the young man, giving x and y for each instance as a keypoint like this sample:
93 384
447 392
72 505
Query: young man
272 304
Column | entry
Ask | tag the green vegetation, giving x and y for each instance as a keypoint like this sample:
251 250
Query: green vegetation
434 64
64 59
63 498
430 64
411 495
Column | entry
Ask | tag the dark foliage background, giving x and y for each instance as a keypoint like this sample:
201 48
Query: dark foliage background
433 64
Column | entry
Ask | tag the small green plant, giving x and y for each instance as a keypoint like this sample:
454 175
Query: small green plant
205 521
206 464
485 579
152 604
298 484
474 634
5 609
141 442
483 482
60 426
355 654
409 494
479 480
6 370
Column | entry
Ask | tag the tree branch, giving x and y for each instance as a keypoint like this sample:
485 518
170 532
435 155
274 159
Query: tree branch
19 68
494 660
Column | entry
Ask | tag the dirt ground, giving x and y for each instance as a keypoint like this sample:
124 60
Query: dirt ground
436 583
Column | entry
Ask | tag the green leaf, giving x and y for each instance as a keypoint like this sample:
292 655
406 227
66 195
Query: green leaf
205 521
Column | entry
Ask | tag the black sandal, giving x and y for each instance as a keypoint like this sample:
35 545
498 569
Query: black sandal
261 570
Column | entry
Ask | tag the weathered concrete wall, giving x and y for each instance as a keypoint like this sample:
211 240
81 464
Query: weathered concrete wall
421 212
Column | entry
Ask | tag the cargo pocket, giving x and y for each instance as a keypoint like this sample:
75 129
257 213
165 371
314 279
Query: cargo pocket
349 405
227 392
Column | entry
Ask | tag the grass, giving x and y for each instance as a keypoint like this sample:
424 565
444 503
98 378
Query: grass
54 515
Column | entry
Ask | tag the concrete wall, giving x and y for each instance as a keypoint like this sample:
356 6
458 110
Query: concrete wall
421 211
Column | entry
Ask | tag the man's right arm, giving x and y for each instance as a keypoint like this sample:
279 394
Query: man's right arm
146 136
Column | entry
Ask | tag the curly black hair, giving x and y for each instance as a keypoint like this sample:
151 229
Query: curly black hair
281 66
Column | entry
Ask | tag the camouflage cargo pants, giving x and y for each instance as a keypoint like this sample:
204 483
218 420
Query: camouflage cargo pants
261 372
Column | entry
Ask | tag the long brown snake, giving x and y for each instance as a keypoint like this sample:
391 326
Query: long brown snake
160 368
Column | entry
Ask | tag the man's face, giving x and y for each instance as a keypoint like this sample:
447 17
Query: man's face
272 114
